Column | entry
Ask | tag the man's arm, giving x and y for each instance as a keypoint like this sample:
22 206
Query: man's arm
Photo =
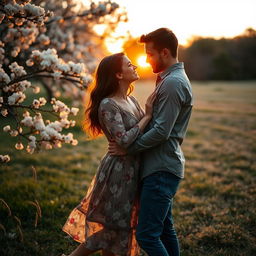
170 98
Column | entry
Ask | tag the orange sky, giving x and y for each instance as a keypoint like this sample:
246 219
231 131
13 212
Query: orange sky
186 18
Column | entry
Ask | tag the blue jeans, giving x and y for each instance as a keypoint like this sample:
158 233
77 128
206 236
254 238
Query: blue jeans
155 232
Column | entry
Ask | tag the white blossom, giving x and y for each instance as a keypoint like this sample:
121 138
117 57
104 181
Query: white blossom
36 89
63 67
29 62
65 123
32 138
39 122
34 10
64 115
2 51
53 101
4 77
56 125
19 146
42 101
86 79
26 113
50 133
19 21
14 133
74 111
36 103
23 85
16 98
15 51
31 145
7 128
68 138
59 106
43 39
76 68
12 8
46 145
45 135
74 142
4 158
17 70
4 112
27 121
72 123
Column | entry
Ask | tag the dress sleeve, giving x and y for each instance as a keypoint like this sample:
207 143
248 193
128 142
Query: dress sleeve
111 118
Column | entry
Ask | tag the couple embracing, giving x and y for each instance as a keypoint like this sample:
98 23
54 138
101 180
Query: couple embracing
129 202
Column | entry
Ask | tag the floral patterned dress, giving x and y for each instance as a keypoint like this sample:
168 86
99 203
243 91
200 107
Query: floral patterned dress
107 216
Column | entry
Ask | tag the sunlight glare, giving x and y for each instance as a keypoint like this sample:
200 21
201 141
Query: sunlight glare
209 18
142 61
99 29
114 46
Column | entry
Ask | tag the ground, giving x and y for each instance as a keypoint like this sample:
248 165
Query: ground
214 209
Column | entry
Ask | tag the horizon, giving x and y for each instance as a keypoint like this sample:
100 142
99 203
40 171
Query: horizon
188 19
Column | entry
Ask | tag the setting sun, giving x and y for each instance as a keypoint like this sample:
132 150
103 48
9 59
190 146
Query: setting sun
142 61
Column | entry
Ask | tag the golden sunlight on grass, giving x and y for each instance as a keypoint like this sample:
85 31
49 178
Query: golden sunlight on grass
141 61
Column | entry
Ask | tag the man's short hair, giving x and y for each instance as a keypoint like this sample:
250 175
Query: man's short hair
162 38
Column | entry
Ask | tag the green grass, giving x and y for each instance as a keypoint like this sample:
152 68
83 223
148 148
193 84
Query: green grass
215 209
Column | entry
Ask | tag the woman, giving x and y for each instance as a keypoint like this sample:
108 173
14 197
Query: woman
106 218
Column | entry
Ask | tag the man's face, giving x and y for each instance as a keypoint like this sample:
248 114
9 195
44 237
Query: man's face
154 58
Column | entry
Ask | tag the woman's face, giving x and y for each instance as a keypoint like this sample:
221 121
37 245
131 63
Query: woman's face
129 72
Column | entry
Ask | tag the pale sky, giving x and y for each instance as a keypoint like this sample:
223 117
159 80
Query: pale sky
216 18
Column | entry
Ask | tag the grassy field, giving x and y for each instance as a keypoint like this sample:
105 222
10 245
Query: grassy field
215 208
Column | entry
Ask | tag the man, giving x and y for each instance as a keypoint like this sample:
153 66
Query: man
162 165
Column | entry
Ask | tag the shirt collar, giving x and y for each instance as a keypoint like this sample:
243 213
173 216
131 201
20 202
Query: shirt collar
178 65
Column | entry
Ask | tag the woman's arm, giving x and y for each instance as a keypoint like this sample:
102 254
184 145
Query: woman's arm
110 116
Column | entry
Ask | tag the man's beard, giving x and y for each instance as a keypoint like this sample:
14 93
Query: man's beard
159 66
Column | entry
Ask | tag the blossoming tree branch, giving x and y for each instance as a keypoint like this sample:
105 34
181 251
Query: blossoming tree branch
51 43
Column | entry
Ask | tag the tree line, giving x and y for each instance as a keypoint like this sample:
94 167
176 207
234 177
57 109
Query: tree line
221 59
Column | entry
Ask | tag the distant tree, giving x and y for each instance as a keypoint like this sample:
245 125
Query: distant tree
222 59
244 54
198 58
223 69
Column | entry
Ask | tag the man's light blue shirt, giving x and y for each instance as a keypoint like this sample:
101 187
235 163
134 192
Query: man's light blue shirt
160 144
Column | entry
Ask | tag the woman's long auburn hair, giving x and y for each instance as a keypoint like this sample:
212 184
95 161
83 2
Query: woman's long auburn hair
106 84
